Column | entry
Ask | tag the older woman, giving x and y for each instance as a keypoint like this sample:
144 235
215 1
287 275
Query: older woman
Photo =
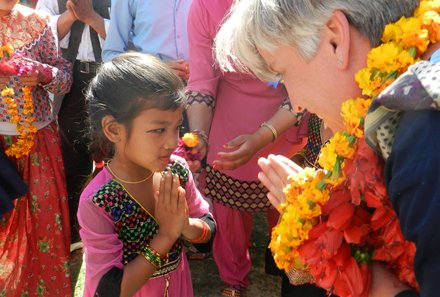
317 47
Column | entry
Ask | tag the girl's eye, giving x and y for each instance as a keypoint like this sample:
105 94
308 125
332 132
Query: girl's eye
157 131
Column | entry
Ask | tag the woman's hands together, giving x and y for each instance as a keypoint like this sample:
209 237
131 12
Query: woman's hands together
171 209
275 173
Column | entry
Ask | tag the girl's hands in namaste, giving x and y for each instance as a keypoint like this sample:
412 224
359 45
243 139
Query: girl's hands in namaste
276 170
171 208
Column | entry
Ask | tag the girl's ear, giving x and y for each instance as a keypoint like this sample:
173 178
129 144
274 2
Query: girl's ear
111 128
339 30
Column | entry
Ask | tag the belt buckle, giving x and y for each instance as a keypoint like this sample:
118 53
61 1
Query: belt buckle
84 67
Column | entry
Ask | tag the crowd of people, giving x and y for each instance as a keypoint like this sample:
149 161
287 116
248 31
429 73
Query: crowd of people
95 95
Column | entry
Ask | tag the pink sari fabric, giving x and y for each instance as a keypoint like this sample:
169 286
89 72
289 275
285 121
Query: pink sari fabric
104 250
242 102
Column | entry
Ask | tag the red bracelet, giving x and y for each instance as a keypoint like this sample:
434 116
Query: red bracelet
203 235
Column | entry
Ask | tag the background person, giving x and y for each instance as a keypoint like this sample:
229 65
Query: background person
81 27
34 236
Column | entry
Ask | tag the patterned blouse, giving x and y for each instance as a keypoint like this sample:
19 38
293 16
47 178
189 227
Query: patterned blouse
28 32
134 225
115 227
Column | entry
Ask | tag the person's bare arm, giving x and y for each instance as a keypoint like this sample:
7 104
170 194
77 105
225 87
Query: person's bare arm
65 22
83 11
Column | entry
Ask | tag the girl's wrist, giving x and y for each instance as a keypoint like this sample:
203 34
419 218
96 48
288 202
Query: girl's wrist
189 231
198 231
162 243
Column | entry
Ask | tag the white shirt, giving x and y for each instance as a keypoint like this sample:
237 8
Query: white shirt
85 50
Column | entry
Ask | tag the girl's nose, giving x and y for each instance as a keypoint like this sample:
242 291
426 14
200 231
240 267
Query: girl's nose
172 141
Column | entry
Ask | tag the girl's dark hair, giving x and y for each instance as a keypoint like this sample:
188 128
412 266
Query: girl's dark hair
124 87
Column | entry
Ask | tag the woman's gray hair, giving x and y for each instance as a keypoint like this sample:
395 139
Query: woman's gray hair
267 24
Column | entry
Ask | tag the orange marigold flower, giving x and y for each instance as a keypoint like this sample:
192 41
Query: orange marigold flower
190 139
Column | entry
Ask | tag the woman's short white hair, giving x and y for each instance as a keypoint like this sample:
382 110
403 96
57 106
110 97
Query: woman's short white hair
267 24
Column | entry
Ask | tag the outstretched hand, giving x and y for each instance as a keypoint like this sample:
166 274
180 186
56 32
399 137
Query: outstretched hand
241 150
171 210
275 173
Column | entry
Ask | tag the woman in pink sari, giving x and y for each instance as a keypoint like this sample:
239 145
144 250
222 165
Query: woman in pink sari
245 119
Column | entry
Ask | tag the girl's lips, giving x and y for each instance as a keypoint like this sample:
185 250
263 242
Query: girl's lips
165 158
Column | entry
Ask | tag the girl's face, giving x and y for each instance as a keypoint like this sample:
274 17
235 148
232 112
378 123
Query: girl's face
152 139
6 6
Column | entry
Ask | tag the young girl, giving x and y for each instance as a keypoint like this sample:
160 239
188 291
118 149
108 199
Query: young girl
136 212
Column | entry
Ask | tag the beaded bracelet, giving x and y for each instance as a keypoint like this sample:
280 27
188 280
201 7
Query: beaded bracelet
152 256
202 237
272 129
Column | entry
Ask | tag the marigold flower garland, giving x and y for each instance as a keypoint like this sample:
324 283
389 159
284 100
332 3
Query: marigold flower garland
25 127
335 220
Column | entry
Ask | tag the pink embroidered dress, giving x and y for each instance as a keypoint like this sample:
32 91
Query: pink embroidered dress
34 236
114 227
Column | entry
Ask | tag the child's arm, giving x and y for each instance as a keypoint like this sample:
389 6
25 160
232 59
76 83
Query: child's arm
201 226
200 230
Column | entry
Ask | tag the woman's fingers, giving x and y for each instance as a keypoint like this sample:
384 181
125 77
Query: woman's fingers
292 165
274 201
276 173
275 189
283 166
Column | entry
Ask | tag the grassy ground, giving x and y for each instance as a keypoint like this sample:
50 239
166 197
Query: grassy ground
205 277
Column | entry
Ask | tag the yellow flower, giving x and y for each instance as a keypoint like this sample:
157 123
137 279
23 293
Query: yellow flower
381 57
190 139
327 157
431 22
391 33
6 51
7 92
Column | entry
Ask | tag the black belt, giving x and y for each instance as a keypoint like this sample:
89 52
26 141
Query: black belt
86 67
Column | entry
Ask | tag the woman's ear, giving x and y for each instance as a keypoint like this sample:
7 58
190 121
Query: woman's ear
111 128
339 31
